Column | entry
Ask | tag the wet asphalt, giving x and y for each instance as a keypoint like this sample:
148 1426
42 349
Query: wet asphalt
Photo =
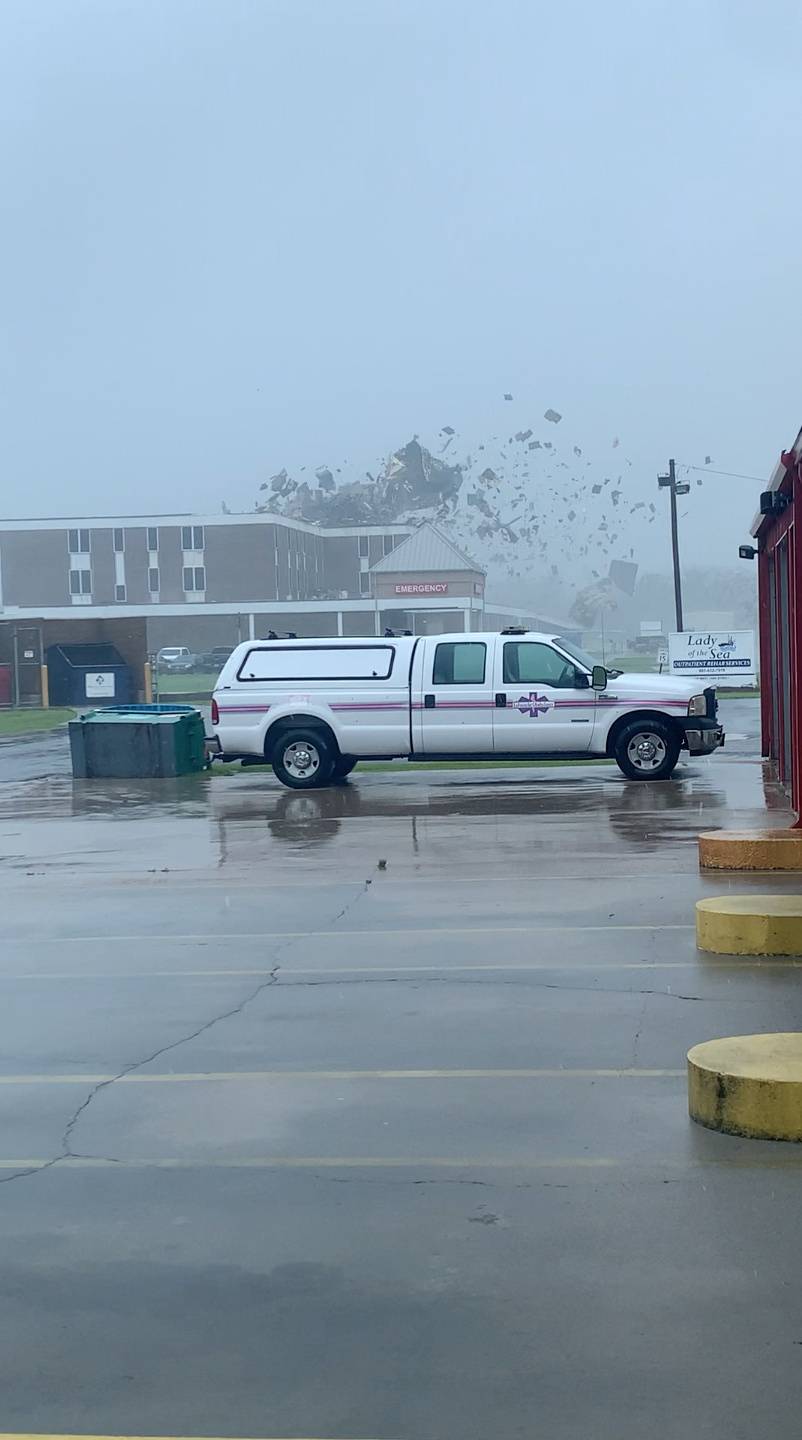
362 1112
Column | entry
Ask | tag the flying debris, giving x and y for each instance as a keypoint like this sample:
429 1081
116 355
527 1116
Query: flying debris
616 443
595 489
325 479
624 575
523 434
448 430
577 450
708 459
553 415
508 396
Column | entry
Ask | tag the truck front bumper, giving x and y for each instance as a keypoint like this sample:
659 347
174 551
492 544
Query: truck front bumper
702 737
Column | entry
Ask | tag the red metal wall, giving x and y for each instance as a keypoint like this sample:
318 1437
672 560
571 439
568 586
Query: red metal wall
780 612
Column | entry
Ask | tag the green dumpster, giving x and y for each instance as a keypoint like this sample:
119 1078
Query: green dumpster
137 742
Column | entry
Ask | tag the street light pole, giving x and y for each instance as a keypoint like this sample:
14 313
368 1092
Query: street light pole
669 482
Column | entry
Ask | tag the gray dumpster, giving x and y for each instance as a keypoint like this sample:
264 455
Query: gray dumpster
137 742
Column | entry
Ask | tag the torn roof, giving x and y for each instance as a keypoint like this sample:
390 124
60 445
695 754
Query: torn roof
426 549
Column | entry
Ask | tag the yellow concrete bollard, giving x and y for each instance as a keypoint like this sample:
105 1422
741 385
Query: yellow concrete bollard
748 1085
751 850
750 924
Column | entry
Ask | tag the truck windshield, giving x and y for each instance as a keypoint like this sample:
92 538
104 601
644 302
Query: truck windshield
576 652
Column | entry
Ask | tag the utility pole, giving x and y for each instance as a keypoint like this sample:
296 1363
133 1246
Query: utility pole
670 483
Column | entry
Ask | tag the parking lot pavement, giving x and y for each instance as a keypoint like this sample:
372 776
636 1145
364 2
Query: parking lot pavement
363 1112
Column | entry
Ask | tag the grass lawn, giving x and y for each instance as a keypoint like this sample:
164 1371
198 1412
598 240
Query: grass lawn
24 722
200 684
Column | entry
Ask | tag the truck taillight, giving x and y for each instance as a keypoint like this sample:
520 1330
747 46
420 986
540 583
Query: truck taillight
215 712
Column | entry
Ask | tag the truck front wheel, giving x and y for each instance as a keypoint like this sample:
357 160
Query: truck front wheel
647 749
303 759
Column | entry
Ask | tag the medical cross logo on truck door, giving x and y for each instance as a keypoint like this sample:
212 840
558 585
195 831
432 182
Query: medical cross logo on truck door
533 705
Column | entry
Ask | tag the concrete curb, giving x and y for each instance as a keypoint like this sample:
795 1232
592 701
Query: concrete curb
750 924
751 850
748 1085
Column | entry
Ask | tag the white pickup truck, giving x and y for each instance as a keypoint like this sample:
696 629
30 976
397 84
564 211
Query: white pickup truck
314 708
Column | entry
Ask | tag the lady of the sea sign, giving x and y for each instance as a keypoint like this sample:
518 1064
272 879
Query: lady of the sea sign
712 652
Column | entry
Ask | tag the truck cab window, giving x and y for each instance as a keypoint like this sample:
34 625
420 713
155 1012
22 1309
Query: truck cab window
459 663
528 662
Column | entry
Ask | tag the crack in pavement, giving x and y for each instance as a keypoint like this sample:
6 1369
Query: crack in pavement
349 904
287 983
67 1153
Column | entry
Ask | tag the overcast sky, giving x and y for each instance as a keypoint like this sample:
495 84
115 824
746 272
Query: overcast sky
242 234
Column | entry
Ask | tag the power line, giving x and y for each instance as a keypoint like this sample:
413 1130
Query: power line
708 470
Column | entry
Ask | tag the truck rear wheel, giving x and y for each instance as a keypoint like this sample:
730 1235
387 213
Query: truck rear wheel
647 749
303 759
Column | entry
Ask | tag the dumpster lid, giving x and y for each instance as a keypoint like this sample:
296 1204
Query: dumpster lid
91 656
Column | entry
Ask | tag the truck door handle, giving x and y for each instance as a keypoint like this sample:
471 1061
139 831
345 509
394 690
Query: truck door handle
501 701
428 702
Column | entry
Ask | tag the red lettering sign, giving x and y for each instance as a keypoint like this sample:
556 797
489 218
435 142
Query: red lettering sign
422 587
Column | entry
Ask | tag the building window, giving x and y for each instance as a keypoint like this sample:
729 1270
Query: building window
364 583
153 580
388 544
119 541
197 537
191 537
153 538
194 578
364 547
79 542
186 538
80 582
119 594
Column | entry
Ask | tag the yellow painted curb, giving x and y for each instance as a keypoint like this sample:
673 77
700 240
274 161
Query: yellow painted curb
748 1085
750 924
751 850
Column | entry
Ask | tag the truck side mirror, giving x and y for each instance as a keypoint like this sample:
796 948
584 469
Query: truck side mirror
598 678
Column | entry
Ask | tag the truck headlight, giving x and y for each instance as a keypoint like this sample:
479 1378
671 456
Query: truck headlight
697 705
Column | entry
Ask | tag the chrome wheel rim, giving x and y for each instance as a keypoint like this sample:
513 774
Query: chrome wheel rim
301 759
646 751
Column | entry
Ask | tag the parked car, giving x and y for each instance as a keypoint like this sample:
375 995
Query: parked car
314 708
212 660
175 659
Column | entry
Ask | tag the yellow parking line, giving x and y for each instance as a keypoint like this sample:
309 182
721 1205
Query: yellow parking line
701 966
318 1162
288 972
271 1076
266 937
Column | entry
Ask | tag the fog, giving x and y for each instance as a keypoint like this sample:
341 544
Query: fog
245 237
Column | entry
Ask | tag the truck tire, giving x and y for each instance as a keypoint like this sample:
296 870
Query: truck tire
343 766
303 759
647 749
